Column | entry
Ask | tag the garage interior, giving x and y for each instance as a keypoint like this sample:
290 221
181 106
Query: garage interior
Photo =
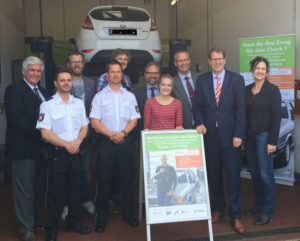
206 23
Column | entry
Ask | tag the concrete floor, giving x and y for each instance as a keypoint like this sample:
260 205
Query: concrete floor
286 225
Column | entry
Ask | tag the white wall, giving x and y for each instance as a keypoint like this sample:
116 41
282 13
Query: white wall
11 46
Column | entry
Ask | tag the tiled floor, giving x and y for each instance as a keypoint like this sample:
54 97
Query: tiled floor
286 225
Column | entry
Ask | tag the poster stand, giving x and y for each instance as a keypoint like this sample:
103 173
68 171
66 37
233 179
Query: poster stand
183 153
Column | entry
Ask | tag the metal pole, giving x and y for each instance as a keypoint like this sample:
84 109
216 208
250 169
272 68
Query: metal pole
176 20
41 18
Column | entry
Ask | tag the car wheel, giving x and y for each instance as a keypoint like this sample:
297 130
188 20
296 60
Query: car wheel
287 152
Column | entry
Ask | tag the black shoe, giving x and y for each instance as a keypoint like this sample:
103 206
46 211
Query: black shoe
100 226
263 220
79 228
131 221
252 211
28 236
50 236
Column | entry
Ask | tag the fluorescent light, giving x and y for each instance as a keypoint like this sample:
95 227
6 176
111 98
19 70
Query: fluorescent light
173 2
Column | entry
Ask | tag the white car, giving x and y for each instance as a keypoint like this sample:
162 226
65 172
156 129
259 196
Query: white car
106 28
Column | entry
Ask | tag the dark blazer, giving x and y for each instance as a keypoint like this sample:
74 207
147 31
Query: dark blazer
266 113
178 92
230 113
141 98
89 86
23 140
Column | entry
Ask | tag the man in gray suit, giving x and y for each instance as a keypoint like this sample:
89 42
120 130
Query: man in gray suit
184 86
85 89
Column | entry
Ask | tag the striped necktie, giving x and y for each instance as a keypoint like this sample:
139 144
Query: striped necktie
36 91
218 90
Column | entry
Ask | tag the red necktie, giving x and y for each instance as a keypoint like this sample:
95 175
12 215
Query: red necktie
190 88
218 90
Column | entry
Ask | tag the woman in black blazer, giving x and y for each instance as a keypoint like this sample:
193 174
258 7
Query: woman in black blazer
263 103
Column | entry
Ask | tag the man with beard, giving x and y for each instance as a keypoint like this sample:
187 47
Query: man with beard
64 125
152 74
85 89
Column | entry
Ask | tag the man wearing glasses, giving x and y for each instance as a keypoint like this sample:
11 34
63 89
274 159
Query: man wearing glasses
85 89
184 86
219 114
152 74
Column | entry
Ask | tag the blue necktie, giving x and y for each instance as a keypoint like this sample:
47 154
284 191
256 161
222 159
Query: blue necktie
152 91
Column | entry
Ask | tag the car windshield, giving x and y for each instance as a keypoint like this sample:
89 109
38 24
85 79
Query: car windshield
119 14
181 177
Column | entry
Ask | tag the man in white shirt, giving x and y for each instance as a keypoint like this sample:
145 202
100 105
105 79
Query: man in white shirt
114 115
64 125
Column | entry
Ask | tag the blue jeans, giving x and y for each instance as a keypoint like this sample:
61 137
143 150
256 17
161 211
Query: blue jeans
260 165
163 199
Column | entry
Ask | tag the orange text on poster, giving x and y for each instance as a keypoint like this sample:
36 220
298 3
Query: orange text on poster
189 161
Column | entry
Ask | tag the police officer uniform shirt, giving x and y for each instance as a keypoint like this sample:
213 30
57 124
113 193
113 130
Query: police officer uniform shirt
114 109
63 119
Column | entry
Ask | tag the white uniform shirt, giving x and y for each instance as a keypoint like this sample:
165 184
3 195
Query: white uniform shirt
63 119
114 109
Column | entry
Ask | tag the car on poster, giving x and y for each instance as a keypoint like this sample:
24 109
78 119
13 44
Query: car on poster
186 191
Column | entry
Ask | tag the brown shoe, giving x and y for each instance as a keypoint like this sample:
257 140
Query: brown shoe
238 226
216 216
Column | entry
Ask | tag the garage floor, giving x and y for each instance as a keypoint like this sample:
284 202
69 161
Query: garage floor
286 225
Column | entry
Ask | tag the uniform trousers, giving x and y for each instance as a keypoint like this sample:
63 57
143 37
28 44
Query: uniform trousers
65 170
219 150
109 154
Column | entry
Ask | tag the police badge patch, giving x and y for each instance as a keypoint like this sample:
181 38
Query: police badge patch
137 109
41 116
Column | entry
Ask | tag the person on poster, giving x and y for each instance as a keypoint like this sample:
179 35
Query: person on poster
219 114
166 182
263 102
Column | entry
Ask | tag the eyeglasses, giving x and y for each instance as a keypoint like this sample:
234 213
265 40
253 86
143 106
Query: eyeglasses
76 62
217 59
152 73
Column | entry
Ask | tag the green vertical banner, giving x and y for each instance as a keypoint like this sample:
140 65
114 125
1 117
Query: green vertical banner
280 52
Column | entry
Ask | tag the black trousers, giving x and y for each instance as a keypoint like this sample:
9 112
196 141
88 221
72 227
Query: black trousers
109 154
65 170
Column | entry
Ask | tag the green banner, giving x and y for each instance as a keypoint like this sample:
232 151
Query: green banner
165 142
279 50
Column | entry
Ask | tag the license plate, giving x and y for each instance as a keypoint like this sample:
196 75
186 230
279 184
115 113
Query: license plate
122 31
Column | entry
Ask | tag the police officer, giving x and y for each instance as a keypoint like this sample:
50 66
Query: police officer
63 124
114 115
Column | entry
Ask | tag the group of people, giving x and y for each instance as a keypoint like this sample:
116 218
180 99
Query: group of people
60 130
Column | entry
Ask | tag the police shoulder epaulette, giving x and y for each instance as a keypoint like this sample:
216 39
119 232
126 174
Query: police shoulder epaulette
48 98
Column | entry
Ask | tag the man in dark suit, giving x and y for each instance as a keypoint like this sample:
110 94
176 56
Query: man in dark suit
184 86
152 74
219 114
22 101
